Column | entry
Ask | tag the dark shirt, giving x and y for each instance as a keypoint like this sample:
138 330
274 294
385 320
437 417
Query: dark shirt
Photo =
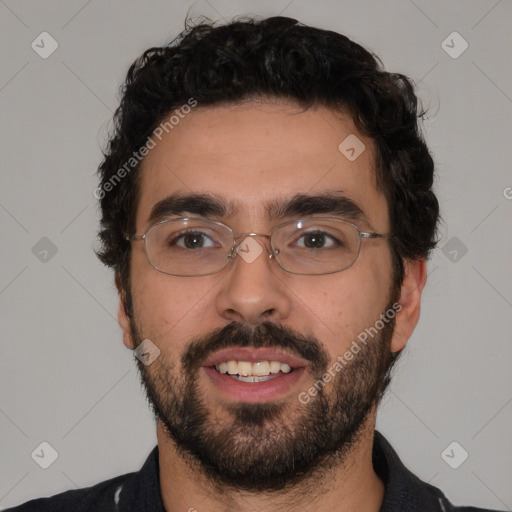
140 491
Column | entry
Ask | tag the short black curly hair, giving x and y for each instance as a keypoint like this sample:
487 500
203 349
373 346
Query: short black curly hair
278 58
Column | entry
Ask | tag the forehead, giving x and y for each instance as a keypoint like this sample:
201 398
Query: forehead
253 155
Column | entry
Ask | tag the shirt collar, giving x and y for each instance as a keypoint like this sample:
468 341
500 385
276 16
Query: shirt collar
403 489
141 490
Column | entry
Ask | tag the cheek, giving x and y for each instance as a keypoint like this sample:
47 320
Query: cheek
167 308
341 306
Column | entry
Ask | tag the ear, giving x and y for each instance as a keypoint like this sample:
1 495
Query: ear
410 299
123 317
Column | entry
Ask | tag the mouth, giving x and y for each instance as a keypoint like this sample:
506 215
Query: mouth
253 375
260 371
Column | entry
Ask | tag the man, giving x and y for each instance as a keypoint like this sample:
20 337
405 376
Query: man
267 207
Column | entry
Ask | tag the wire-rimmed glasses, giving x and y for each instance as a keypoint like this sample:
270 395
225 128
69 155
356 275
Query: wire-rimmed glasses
193 247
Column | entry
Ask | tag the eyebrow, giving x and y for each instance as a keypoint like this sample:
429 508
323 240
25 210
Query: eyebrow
327 203
206 205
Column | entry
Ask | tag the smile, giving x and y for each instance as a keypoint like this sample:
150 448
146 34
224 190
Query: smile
245 374
260 371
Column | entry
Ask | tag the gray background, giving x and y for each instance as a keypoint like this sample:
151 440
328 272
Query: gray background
65 376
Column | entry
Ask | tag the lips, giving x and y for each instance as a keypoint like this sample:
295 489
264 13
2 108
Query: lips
244 385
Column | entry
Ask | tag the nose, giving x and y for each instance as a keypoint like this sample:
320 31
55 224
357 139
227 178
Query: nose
253 291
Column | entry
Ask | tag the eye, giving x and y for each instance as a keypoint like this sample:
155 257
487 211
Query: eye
316 240
192 240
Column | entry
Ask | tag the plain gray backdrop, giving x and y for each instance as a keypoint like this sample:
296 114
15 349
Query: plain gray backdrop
67 379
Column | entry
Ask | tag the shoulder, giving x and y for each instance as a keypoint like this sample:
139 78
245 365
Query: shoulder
130 492
101 497
404 490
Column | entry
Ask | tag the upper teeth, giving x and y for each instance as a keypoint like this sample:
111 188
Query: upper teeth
245 368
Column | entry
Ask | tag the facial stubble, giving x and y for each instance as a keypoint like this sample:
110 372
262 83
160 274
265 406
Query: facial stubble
269 446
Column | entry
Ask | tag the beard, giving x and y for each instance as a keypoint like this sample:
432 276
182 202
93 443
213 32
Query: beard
265 447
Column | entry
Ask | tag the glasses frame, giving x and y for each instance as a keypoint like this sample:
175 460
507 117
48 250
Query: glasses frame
232 254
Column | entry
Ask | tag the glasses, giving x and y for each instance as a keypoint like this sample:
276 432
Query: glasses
193 247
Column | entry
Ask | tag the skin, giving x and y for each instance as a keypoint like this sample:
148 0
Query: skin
254 153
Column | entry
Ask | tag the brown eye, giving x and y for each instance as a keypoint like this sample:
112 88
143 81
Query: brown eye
316 240
192 240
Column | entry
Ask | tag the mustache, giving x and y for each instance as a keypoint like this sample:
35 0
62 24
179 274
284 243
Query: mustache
265 335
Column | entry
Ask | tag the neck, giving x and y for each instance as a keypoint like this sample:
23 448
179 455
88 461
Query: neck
347 485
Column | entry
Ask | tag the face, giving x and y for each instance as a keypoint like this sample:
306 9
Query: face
254 160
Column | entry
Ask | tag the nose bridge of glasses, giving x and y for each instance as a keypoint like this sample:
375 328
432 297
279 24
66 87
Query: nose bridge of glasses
238 244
